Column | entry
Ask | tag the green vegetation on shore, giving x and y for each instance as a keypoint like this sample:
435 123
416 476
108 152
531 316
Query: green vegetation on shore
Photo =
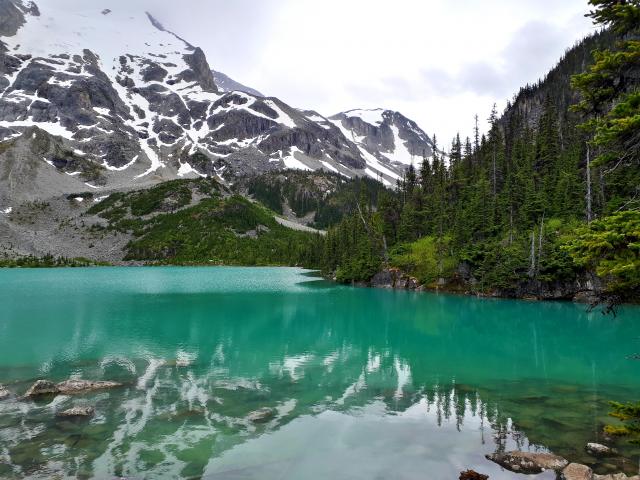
200 222
46 261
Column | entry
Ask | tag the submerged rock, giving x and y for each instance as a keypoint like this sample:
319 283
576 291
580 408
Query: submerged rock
4 393
599 450
73 386
576 471
68 387
77 412
262 415
617 476
527 462
42 387
472 475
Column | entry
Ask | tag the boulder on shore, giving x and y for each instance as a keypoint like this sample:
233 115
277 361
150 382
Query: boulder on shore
528 462
77 412
42 387
261 416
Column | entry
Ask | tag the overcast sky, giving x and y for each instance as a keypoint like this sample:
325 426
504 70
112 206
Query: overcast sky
437 61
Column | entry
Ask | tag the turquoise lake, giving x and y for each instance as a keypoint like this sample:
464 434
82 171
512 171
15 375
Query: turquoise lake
362 383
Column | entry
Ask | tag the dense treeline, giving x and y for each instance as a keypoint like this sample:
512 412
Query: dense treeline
530 200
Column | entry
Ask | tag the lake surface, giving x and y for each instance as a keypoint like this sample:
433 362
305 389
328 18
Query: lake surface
363 383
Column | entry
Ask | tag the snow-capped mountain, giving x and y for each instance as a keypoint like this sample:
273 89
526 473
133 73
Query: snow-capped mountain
97 98
387 140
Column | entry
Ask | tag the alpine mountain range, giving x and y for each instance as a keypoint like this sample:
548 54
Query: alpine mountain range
113 100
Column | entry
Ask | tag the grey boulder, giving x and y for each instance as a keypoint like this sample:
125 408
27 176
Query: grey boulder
528 462
599 450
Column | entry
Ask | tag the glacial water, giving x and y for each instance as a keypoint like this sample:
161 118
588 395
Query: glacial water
362 383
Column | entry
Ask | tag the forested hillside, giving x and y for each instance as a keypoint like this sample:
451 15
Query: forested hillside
537 206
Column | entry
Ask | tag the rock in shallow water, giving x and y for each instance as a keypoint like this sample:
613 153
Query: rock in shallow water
76 412
42 387
575 471
262 415
68 387
599 450
4 393
527 462
617 476
472 475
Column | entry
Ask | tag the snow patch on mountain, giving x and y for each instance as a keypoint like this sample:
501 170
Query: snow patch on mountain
372 116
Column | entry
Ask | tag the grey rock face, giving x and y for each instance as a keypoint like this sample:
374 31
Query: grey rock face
200 71
11 18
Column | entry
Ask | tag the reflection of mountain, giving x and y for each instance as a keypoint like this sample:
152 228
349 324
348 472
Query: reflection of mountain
350 375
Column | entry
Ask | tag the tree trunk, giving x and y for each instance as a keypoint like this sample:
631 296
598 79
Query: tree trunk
589 214
540 243
532 255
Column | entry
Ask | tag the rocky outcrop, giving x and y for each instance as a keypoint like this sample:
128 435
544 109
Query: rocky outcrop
394 278
528 462
77 412
200 71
